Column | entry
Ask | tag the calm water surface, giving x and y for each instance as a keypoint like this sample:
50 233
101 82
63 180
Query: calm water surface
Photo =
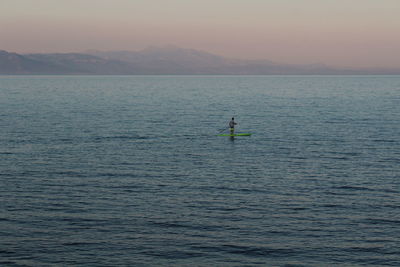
108 170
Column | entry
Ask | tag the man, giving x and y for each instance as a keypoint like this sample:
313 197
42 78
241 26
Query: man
232 124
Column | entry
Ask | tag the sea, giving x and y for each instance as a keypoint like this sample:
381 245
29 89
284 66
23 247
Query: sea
131 171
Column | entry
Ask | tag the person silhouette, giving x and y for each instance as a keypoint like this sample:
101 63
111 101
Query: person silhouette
232 124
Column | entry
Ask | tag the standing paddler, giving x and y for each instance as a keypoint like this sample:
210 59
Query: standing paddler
232 124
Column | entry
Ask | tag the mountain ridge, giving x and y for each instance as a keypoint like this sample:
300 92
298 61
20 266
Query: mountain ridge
168 60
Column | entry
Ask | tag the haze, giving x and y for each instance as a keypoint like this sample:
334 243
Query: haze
356 33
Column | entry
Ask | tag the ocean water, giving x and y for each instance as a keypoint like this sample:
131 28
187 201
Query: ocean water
129 171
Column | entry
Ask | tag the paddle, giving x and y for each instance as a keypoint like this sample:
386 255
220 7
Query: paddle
220 131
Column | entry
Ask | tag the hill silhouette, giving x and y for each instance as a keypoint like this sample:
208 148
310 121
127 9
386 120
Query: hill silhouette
168 60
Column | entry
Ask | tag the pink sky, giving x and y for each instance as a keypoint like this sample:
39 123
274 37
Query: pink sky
359 33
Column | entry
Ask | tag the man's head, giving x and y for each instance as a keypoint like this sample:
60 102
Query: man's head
233 118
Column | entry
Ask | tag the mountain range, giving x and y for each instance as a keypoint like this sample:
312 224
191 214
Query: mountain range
168 60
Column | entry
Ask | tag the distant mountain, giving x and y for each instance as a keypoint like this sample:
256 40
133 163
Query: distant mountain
12 63
175 60
168 60
74 63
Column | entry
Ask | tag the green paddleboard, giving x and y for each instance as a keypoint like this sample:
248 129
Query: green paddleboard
238 134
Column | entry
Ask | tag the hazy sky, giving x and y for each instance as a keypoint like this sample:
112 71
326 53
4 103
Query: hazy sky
336 32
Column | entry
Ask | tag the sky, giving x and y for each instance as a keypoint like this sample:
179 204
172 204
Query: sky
343 33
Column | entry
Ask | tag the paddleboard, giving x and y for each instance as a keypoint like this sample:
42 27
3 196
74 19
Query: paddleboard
238 134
